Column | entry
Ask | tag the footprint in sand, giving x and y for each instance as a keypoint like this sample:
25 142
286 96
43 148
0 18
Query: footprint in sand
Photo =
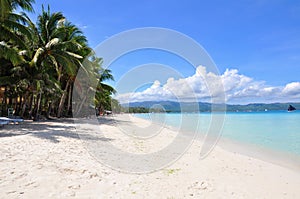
74 186
93 175
201 186
32 184
23 175
11 192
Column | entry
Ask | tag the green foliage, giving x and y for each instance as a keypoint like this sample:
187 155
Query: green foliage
39 62
136 110
8 6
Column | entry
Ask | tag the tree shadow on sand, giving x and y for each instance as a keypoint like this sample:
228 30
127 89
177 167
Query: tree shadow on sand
50 130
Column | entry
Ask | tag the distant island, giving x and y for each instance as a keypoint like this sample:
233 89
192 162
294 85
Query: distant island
173 107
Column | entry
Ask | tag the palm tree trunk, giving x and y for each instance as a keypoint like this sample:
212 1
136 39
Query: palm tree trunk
69 100
59 73
63 99
31 106
38 103
49 109
24 103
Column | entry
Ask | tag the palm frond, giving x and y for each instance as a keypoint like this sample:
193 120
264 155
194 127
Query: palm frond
7 80
14 26
37 56
10 53
52 42
23 4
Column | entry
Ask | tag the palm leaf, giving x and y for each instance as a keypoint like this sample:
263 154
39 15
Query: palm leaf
52 42
37 56
15 26
10 53
23 4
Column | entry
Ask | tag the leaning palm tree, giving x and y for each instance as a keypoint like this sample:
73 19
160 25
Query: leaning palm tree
54 53
72 34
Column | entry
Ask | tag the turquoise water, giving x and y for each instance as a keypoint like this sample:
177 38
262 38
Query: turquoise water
278 130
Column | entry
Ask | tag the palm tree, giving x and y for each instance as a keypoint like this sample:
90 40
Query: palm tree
104 91
12 28
8 6
56 50
39 62
71 33
90 89
13 34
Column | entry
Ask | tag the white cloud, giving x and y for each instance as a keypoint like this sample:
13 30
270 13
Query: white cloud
207 86
292 89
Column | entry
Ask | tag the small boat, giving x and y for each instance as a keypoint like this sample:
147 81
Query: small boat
291 108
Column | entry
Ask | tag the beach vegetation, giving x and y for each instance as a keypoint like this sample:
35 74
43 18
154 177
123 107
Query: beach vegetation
172 171
39 62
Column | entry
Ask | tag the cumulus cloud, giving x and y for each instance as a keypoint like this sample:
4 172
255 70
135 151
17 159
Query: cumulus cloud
292 89
229 87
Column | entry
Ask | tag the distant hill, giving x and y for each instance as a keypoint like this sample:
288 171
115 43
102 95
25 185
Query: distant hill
262 107
171 106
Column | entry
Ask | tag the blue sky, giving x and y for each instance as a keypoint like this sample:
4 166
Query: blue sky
259 38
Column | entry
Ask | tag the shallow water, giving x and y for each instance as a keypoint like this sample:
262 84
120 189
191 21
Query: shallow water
278 130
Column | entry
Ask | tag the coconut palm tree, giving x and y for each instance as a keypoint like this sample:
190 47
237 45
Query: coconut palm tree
103 91
56 47
13 34
8 6
90 88
70 33
12 28
39 62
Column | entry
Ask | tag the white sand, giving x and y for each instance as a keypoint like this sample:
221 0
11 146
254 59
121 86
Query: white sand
48 160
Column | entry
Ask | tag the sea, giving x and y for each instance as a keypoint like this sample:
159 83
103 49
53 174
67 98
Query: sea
275 131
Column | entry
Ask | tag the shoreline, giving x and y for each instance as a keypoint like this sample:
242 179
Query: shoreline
271 155
284 159
49 160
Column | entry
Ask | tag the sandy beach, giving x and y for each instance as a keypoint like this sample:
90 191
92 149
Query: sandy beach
48 159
